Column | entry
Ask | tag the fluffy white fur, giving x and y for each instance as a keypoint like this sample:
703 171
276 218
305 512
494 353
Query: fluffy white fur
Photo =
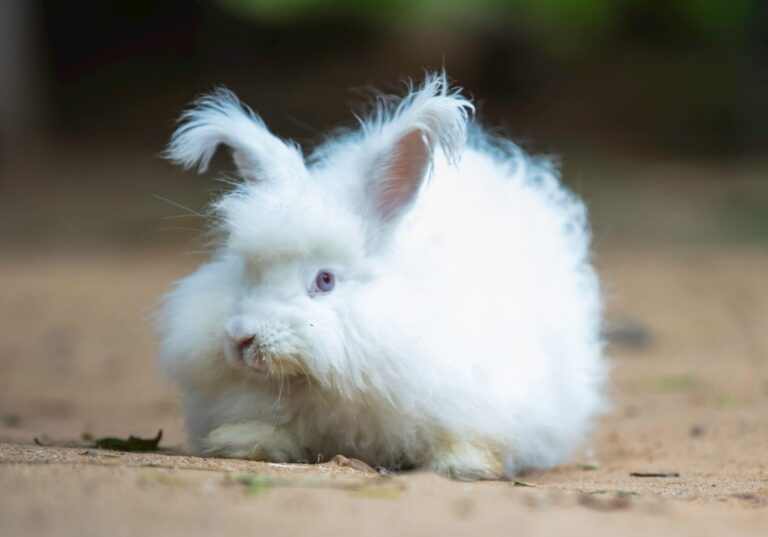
463 332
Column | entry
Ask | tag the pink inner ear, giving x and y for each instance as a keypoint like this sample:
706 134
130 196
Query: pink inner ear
245 165
402 171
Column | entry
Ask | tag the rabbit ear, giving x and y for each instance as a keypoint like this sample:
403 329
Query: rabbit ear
220 118
398 173
405 142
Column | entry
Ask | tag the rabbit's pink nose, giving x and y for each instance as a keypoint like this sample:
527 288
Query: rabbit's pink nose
244 342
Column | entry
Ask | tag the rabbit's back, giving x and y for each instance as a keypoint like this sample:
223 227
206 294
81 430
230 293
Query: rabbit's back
511 303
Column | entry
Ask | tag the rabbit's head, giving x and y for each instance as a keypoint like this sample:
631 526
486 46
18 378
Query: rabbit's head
303 241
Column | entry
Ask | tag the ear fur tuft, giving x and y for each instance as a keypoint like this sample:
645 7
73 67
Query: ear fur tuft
438 110
220 118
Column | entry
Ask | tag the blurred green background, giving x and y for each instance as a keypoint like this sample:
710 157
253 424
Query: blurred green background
657 110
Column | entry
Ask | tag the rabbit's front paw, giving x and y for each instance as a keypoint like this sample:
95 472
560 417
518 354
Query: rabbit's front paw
254 440
467 460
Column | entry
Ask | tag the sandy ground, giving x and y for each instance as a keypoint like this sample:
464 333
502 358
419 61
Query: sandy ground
690 392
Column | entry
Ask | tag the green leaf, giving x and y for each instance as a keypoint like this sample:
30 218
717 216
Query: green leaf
132 443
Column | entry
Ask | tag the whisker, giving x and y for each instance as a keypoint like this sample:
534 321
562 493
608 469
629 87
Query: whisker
318 391
179 205
277 406
178 216
163 229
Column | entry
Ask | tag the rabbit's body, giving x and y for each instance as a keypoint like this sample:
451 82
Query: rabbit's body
462 330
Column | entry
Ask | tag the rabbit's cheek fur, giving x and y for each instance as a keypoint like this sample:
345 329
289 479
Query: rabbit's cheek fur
298 336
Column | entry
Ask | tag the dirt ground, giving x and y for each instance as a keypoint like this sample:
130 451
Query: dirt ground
690 392
683 258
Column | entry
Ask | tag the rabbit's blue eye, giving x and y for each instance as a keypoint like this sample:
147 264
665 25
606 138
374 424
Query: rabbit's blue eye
324 282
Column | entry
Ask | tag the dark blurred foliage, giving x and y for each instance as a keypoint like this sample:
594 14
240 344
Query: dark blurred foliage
659 108
675 77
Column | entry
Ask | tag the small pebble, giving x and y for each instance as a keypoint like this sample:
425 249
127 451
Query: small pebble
11 420
698 430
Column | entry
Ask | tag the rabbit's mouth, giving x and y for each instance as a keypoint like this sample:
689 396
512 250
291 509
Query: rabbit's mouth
266 360
263 348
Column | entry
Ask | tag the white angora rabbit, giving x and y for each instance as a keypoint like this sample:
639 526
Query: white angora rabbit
415 294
